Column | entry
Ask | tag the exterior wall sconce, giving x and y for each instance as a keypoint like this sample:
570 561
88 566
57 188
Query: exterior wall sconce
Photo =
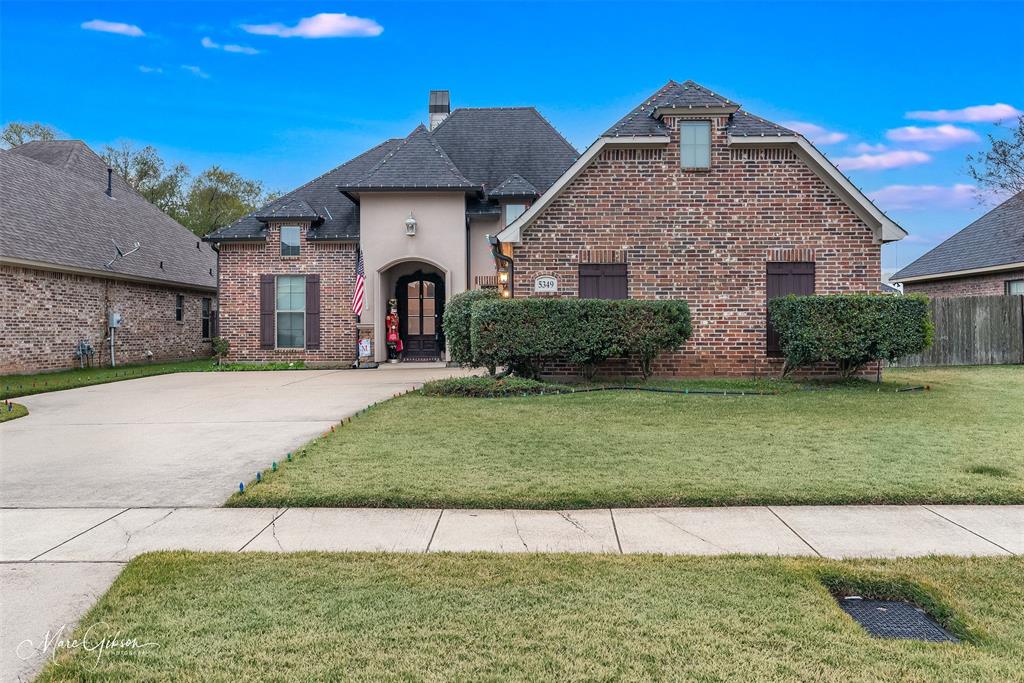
410 225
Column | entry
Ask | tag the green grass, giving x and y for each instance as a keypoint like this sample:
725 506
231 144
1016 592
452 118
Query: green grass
12 411
262 617
25 385
854 443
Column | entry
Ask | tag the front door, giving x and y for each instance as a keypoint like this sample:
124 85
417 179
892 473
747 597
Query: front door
420 307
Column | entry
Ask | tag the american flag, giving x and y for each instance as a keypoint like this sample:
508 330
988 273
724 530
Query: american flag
357 294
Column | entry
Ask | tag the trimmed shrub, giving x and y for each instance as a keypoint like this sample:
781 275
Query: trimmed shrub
456 324
522 334
850 330
490 387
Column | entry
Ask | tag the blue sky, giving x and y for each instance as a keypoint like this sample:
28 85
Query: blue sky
282 91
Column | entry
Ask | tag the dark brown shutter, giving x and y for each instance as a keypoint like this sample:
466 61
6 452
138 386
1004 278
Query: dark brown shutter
266 311
796 277
312 311
603 281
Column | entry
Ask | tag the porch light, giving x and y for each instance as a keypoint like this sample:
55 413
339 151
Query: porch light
410 225
503 277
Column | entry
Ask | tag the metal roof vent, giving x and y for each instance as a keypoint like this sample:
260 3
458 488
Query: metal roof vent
440 107
896 620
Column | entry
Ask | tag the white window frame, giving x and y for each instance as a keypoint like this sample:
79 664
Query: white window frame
278 311
298 239
683 125
179 308
1010 283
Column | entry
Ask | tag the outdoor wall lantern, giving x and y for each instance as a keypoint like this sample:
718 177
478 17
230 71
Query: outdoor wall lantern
410 225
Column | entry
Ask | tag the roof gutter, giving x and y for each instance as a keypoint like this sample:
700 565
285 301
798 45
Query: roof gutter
959 273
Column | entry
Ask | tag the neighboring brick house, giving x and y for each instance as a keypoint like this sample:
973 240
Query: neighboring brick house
417 210
690 197
686 197
985 258
61 215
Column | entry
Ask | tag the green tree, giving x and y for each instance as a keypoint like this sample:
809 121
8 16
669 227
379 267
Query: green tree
17 133
1000 169
219 197
147 173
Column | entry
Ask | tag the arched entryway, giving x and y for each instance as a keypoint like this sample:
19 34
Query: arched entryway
419 288
420 298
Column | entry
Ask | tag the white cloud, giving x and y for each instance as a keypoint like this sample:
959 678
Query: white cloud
324 25
882 161
238 49
982 113
866 148
150 69
933 137
195 70
113 27
816 133
910 197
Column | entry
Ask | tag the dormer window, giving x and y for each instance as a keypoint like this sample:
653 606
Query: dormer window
513 211
290 240
695 144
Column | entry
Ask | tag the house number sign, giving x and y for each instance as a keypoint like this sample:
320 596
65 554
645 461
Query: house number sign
545 285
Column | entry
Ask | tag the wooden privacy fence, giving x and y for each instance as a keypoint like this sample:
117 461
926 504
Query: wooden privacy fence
974 330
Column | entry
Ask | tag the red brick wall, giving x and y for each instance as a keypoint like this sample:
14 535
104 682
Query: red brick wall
976 285
240 267
703 236
44 314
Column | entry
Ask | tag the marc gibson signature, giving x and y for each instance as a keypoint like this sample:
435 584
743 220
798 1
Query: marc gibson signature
96 639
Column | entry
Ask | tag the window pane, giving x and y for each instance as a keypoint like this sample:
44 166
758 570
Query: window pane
291 330
291 293
428 315
695 144
1015 287
413 313
513 211
290 240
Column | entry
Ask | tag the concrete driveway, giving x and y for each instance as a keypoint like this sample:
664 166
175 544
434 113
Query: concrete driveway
177 440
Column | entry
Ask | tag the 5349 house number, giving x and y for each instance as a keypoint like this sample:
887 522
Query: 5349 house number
546 284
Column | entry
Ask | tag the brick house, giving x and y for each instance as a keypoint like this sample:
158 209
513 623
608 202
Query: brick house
63 220
985 258
688 196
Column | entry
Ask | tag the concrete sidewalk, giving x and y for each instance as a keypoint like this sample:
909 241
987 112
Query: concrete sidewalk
55 563
118 534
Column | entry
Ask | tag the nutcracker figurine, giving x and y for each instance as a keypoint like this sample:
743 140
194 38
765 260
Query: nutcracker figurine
394 342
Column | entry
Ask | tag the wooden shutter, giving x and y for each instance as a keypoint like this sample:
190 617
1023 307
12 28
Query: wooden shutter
603 281
267 306
312 311
786 277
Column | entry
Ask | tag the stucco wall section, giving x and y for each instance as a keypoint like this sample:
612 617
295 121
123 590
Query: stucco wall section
703 236
44 314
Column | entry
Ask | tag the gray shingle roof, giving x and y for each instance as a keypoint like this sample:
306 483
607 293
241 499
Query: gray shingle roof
514 186
74 156
418 163
55 216
640 121
288 209
995 239
490 144
485 146
339 214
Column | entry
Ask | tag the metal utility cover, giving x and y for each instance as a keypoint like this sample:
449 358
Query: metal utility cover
892 619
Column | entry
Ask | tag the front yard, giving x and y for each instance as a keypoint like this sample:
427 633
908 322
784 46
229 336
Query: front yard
258 617
960 442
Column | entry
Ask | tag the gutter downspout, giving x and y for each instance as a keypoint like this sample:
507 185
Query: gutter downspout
469 285
507 260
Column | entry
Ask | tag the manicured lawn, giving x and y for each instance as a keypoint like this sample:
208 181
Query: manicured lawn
12 411
959 442
259 617
25 385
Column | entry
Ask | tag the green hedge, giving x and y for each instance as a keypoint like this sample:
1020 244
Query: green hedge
490 387
456 324
850 330
523 334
